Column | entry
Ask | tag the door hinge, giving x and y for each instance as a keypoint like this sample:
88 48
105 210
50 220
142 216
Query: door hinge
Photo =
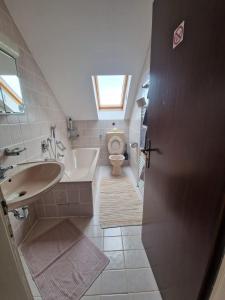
5 211
10 230
4 207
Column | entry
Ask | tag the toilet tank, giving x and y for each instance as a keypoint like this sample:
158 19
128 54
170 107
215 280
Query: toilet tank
119 133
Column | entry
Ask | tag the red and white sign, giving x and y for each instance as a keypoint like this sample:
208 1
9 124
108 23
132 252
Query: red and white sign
178 35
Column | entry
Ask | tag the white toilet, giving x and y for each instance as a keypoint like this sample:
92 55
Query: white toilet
116 143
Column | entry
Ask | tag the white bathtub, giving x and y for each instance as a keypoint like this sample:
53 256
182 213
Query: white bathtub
74 194
83 165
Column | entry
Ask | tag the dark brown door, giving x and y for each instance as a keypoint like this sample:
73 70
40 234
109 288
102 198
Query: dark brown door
186 114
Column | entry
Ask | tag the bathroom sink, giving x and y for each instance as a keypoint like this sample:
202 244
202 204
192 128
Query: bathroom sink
31 180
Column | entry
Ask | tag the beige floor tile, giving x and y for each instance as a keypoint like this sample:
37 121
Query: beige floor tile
93 231
136 259
113 243
140 280
131 230
112 231
113 282
116 297
116 260
91 298
132 243
145 296
95 220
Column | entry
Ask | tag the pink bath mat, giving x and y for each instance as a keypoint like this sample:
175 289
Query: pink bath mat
63 262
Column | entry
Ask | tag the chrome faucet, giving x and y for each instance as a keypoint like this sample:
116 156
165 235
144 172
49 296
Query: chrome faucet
59 155
4 170
14 151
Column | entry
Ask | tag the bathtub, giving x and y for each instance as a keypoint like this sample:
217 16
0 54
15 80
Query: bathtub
74 194
83 165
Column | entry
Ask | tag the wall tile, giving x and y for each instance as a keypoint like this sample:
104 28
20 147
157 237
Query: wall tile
71 209
71 199
86 209
93 134
27 130
40 210
60 196
47 198
86 196
73 195
51 211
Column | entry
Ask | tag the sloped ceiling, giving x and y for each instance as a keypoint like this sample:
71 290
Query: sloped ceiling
73 39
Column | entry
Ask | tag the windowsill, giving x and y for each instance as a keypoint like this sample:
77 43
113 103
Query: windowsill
111 115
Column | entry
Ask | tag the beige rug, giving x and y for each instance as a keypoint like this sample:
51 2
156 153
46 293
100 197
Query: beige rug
119 203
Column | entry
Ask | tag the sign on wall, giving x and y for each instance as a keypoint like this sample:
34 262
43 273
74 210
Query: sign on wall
178 35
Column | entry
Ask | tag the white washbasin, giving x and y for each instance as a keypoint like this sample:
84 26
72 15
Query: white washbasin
24 184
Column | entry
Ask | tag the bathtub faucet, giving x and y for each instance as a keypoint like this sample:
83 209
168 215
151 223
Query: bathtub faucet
59 155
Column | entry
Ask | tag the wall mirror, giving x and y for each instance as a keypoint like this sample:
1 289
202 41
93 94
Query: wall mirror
11 100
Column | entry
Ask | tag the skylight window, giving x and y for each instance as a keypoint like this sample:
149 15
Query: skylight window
110 91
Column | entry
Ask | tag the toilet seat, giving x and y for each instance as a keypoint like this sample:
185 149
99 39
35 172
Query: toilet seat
116 157
115 145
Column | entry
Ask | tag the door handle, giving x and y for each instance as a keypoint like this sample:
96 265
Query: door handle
148 149
152 150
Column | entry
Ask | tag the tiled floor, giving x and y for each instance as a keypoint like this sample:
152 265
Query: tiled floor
128 275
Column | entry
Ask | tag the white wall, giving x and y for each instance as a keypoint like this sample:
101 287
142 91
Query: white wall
41 111
73 40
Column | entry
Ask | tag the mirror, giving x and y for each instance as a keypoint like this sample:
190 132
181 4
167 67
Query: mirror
11 101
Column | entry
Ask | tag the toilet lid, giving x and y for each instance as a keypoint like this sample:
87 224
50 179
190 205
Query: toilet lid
115 145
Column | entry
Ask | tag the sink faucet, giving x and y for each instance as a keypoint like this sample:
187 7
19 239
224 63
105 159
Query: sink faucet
4 170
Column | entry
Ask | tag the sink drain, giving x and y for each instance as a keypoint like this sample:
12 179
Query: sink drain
21 194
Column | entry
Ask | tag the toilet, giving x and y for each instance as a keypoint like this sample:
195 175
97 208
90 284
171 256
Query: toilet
116 143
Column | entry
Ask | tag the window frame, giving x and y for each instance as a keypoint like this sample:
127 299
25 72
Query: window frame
123 94
5 88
